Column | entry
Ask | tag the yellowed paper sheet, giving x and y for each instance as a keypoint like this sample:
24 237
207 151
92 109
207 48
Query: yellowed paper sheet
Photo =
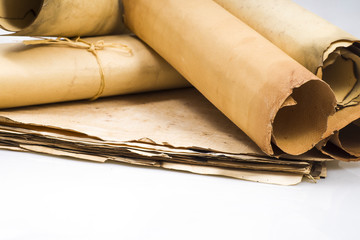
38 74
260 88
263 177
342 141
100 131
69 18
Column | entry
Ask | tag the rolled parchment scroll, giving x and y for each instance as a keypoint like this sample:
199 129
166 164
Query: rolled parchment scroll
39 74
323 48
266 93
66 18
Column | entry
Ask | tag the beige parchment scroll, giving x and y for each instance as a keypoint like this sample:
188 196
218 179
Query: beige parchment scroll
39 74
61 17
321 47
260 88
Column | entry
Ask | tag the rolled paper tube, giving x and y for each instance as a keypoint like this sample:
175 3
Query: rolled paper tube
259 87
61 17
39 74
324 49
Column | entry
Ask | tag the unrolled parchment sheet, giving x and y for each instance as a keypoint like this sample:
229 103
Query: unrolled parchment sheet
260 88
40 74
159 129
61 17
321 47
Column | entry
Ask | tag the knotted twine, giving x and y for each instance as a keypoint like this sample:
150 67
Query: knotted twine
89 46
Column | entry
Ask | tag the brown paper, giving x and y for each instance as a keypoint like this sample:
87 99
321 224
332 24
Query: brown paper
55 73
61 17
261 89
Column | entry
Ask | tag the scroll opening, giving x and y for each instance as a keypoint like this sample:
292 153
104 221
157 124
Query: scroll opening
16 15
297 128
341 71
340 76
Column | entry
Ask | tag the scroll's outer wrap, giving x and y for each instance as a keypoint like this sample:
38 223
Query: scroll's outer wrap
318 45
54 73
260 88
61 17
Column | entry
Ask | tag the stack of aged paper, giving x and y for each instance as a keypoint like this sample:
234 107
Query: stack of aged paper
259 112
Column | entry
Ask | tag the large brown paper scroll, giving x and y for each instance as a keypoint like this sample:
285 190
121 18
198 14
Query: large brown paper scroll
151 129
40 74
260 88
321 47
61 17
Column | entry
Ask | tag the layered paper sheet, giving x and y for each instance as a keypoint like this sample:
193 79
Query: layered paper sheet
153 129
61 17
324 49
270 96
38 74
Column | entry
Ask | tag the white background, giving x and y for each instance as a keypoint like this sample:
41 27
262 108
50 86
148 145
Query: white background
44 197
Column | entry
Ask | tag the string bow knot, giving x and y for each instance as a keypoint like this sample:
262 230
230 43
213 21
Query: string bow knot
90 47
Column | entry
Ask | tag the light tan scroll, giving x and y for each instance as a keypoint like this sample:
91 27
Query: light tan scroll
260 88
38 74
321 47
61 17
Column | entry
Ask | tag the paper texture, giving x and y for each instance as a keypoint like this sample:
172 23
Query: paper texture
55 73
61 17
260 88
152 129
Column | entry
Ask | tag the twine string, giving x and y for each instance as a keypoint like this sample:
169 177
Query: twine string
91 47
